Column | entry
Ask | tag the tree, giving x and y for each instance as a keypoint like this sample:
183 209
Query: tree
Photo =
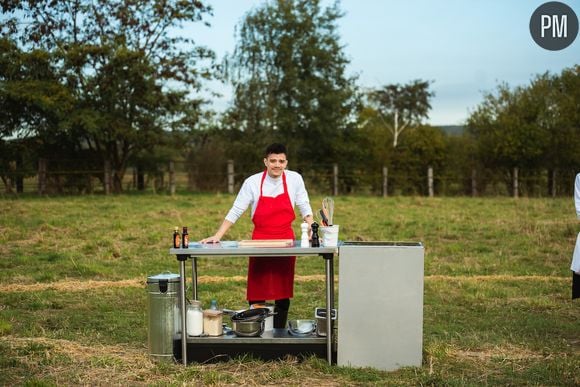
127 74
401 106
534 127
288 72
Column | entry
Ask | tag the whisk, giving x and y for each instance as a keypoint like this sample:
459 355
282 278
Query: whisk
328 208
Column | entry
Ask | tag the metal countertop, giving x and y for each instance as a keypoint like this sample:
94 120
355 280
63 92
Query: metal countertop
231 249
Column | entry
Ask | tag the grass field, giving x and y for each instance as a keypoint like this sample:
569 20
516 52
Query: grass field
497 307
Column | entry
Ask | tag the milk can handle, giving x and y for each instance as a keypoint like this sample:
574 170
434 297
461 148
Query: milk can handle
163 285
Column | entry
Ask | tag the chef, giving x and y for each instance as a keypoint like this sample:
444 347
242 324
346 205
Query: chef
575 267
272 195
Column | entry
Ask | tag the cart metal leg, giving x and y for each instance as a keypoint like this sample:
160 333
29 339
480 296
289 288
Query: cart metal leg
182 276
194 277
329 266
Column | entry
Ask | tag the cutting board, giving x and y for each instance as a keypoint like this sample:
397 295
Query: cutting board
266 243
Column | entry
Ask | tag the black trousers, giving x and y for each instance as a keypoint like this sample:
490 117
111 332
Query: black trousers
575 285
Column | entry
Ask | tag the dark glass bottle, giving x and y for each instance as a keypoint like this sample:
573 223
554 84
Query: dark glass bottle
176 238
185 238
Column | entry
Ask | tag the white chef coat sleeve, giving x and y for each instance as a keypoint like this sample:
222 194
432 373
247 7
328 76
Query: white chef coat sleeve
577 195
575 266
302 200
242 202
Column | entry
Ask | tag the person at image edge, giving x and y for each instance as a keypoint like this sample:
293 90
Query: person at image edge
272 195
575 267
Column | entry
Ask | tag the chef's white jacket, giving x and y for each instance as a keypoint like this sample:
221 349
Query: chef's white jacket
250 193
575 267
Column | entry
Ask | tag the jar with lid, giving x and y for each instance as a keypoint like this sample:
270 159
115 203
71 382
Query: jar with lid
212 322
194 319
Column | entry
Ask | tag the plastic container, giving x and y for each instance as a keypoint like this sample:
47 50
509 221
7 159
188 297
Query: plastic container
212 322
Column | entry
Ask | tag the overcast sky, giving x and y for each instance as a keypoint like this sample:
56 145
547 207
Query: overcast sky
465 47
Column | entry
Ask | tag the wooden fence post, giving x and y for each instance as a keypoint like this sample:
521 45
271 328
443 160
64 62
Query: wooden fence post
385 182
473 182
553 183
516 183
41 176
430 180
335 180
172 178
230 176
107 177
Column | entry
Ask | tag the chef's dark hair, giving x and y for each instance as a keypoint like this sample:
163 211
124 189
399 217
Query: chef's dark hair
276 149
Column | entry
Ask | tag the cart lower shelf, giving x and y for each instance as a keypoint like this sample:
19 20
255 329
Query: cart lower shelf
272 345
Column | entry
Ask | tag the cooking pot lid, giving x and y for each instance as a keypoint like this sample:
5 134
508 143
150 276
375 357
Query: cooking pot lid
251 314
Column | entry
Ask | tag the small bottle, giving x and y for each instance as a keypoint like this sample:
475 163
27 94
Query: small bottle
185 238
194 319
213 305
315 237
176 238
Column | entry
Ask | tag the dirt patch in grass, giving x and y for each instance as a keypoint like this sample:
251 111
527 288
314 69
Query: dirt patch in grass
496 277
64 361
74 285
504 352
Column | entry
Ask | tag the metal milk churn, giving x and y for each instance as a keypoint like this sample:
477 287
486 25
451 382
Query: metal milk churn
163 312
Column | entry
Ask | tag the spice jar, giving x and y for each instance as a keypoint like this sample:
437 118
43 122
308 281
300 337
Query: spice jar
212 322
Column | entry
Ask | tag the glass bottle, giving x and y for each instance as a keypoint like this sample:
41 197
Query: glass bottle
194 319
185 238
213 305
176 238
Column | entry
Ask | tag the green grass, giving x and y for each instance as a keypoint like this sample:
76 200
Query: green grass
497 307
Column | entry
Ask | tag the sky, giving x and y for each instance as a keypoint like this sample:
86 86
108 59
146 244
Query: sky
465 47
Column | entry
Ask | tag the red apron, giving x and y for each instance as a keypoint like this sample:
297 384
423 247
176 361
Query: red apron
272 278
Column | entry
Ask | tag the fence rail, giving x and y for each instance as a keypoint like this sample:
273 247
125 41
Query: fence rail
329 179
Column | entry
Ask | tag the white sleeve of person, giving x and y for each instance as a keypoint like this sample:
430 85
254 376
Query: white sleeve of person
577 195
575 267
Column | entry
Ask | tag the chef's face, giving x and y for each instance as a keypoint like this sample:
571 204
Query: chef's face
275 164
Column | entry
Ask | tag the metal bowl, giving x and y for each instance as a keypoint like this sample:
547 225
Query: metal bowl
248 328
301 327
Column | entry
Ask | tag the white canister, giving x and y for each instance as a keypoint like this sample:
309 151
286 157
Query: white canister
330 235
269 321
194 319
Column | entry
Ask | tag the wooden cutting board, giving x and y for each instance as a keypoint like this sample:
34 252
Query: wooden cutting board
266 243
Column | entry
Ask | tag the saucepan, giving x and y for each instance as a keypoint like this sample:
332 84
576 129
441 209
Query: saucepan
249 322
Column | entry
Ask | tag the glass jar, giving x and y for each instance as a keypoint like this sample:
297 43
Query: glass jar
194 319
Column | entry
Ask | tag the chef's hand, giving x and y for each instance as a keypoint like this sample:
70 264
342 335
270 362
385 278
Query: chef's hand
211 239
219 233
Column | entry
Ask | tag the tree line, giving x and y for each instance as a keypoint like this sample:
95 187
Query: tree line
116 83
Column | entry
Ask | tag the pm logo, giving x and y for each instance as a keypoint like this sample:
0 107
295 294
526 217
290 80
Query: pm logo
554 26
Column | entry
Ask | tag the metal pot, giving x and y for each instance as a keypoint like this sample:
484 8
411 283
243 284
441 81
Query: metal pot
250 322
248 328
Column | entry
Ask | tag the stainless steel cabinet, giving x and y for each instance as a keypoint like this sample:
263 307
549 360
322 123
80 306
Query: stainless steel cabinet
380 304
